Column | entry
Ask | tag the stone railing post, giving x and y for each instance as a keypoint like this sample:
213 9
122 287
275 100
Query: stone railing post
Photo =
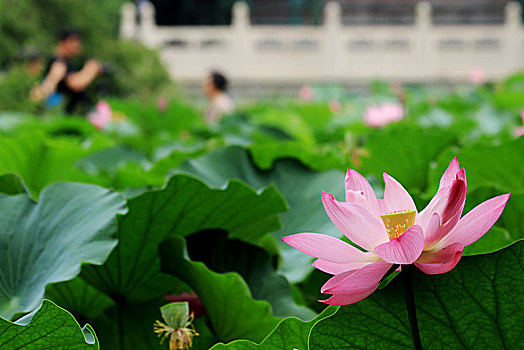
148 34
128 21
425 47
240 15
242 41
333 50
512 36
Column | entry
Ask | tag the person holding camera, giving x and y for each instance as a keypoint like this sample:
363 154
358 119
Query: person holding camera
64 84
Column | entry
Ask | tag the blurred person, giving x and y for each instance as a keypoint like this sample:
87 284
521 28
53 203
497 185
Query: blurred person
399 91
48 86
219 102
62 81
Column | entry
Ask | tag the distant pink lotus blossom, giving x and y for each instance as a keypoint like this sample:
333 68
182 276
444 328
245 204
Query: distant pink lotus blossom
477 76
519 130
334 106
306 93
377 116
102 116
162 103
393 232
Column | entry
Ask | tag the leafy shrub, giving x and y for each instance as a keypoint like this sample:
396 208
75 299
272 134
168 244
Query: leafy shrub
35 24
15 88
138 70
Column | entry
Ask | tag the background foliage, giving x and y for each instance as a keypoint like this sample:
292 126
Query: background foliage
33 26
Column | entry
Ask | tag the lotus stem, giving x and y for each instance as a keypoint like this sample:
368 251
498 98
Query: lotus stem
410 304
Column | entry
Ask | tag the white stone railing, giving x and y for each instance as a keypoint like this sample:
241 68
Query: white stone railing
332 52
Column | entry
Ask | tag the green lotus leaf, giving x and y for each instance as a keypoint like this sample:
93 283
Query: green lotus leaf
232 310
299 185
291 333
477 305
48 327
46 242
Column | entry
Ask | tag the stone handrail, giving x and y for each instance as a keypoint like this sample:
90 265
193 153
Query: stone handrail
332 51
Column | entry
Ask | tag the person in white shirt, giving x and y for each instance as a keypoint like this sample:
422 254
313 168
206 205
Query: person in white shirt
219 102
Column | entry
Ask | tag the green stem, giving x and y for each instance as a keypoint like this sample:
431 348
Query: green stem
410 304
120 319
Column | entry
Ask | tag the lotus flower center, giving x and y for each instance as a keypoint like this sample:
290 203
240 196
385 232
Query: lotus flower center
398 222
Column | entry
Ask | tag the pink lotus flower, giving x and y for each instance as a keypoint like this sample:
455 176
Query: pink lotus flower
477 76
306 93
377 116
102 116
392 232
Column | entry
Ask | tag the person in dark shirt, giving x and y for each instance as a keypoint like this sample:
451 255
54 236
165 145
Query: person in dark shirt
63 83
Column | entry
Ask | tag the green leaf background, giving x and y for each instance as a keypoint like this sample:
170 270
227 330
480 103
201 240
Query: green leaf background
46 242
48 327
477 305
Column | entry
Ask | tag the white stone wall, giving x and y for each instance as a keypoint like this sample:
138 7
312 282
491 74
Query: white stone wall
333 52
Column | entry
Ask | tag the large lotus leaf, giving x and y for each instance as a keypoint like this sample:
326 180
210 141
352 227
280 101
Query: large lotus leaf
12 184
110 159
253 263
120 326
48 327
288 121
79 298
509 94
169 157
185 206
513 216
127 170
291 333
176 118
42 160
317 157
318 115
405 152
75 127
298 184
205 338
477 305
152 126
132 277
238 129
46 242
129 326
315 115
231 309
